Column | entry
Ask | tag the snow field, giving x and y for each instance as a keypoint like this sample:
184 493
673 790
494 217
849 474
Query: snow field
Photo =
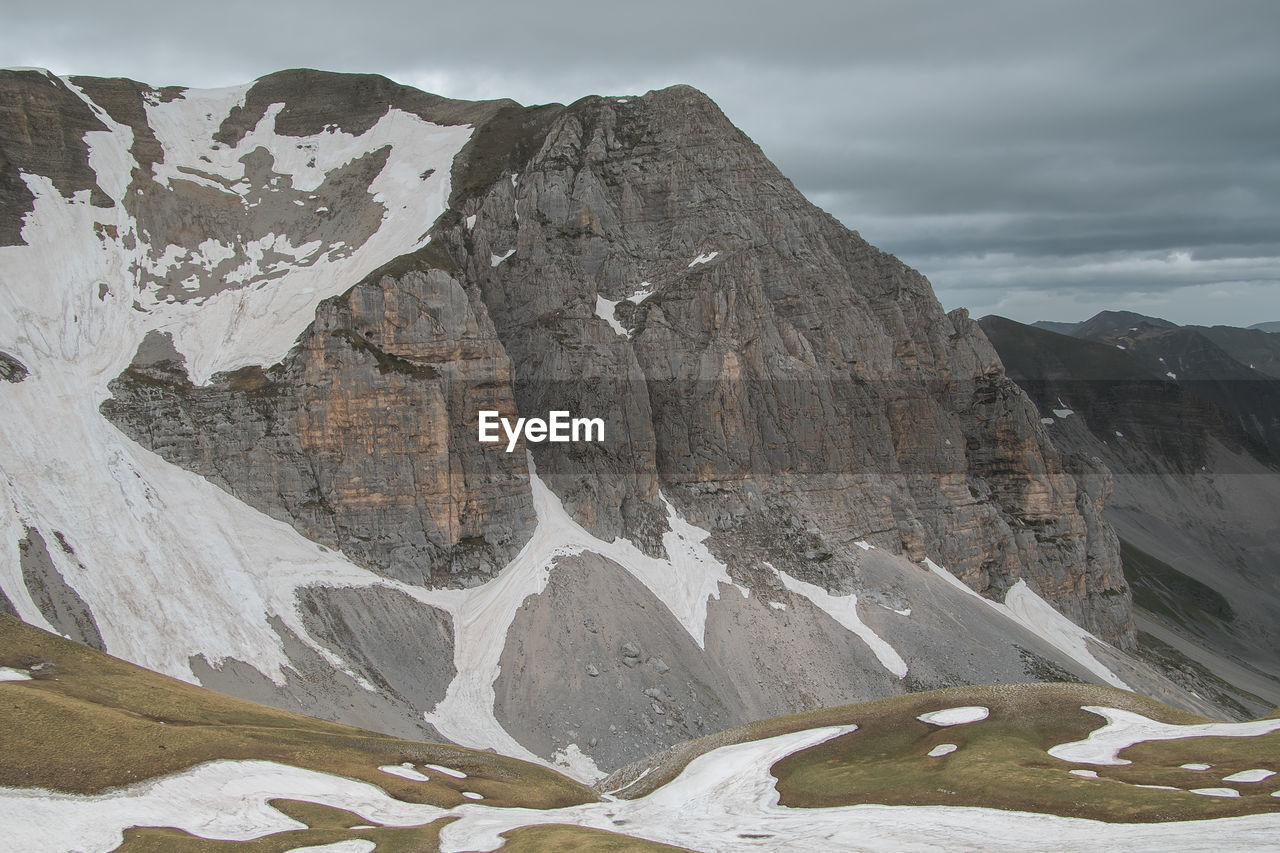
844 609
724 800
221 800
1125 728
70 311
955 716
1038 616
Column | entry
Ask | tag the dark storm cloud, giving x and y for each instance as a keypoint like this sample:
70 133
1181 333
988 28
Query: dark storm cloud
1030 157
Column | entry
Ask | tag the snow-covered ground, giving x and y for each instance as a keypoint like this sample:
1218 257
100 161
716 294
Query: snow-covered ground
1125 728
74 307
844 609
724 800
955 716
1035 614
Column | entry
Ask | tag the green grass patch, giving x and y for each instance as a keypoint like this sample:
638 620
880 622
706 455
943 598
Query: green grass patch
577 839
1003 761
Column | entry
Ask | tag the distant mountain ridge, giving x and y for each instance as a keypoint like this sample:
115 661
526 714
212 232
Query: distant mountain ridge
1188 432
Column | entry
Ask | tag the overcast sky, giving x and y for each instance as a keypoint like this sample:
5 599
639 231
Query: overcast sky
1034 159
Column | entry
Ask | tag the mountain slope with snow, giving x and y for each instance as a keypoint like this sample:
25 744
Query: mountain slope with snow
246 336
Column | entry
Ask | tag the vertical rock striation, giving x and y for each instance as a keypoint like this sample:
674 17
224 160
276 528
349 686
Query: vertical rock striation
788 385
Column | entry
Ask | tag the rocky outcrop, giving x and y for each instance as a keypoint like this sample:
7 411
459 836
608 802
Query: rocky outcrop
361 438
11 370
56 600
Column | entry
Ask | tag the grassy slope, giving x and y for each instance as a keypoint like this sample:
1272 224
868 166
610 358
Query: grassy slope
1002 762
89 722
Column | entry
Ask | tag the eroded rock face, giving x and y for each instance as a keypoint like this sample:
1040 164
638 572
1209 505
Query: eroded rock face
789 386
360 439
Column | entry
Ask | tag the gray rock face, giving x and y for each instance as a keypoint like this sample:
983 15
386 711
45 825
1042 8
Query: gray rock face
364 437
593 613
403 647
42 128
779 375
312 685
58 603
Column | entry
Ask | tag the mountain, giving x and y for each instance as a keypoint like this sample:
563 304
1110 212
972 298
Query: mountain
1193 488
1273 326
1192 356
249 336
1053 326
142 762
1253 347
1106 323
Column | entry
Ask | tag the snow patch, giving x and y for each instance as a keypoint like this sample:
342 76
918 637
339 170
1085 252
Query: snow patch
1258 775
11 674
702 259
1038 616
574 762
645 291
604 310
844 609
472 795
955 716
1063 413
942 749
355 845
219 800
494 260
1084 774
405 772
1196 766
1125 728
448 771
1171 374
1047 421
866 546
1214 792
471 222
